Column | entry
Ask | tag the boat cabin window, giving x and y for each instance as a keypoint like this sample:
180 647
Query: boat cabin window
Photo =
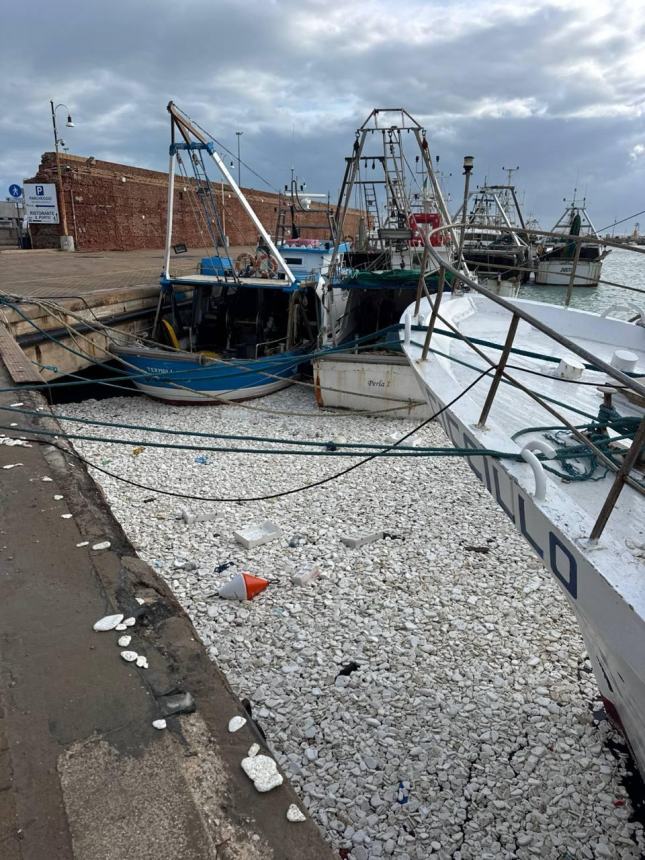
293 261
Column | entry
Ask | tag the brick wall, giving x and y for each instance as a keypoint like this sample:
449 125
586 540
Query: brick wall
117 207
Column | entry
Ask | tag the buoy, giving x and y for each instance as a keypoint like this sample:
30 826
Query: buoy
243 586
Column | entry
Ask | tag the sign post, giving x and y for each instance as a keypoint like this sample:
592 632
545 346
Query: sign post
15 191
41 203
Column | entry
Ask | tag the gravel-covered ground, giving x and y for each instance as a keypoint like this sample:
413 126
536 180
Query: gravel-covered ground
467 729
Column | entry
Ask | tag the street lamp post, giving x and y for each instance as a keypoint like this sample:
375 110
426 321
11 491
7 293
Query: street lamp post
468 166
66 241
239 162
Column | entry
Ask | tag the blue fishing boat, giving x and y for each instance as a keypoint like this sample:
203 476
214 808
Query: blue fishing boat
235 330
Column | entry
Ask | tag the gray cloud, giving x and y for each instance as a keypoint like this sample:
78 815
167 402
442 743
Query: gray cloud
557 87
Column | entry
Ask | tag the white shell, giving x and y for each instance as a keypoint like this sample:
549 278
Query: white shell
263 771
108 622
83 543
159 724
104 544
294 814
236 723
129 656
124 641
142 662
130 622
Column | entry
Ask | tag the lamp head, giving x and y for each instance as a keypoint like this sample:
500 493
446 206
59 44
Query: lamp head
468 164
69 122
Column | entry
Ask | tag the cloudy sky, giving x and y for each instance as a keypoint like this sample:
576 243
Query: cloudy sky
557 88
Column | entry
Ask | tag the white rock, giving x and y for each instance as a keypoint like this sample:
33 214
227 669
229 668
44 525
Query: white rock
124 641
105 544
130 622
236 723
66 516
121 626
46 479
129 656
142 661
254 749
58 497
108 622
294 814
263 771
159 724
83 543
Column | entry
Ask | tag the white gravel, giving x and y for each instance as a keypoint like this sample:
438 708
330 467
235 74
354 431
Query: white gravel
473 697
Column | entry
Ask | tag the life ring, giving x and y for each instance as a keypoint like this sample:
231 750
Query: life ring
243 262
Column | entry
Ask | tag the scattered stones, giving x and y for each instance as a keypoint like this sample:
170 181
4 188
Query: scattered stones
464 676
124 641
236 723
121 626
129 656
142 662
130 622
258 534
306 575
108 622
294 814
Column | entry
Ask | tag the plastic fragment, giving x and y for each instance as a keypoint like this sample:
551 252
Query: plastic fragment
305 575
108 622
242 586
257 534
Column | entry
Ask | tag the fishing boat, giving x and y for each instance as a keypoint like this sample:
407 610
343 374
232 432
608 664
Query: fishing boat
548 406
495 246
366 288
250 323
562 262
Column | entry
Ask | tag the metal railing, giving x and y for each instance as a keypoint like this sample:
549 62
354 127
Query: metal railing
518 313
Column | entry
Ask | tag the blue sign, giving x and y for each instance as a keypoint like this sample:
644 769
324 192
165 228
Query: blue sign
15 190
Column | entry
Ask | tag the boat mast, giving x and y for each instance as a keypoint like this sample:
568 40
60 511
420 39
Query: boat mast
185 124
171 199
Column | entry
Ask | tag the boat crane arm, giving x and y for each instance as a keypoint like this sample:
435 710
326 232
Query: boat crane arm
185 125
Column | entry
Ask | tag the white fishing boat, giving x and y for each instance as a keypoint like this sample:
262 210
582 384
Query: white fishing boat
560 415
366 287
563 263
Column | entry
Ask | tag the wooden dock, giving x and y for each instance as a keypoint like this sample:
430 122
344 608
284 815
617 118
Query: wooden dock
60 296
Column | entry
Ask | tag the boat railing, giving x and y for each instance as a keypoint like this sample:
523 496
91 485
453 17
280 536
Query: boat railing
462 280
270 343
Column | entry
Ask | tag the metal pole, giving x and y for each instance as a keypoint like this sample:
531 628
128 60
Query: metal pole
499 370
239 161
435 311
619 481
464 218
61 195
572 278
169 215
422 275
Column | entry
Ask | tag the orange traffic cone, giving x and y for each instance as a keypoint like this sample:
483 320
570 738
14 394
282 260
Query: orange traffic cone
243 586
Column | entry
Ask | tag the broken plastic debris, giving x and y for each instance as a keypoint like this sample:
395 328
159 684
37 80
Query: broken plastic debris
140 600
178 703
202 460
159 724
257 534
354 541
305 575
104 544
263 771
83 543
403 793
236 723
124 641
294 814
129 656
142 662
108 622
243 586
12 465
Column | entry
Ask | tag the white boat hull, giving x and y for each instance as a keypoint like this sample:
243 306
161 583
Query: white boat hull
605 585
557 273
209 398
371 383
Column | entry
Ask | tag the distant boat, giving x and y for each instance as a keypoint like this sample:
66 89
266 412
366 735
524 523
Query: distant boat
251 322
571 470
558 257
